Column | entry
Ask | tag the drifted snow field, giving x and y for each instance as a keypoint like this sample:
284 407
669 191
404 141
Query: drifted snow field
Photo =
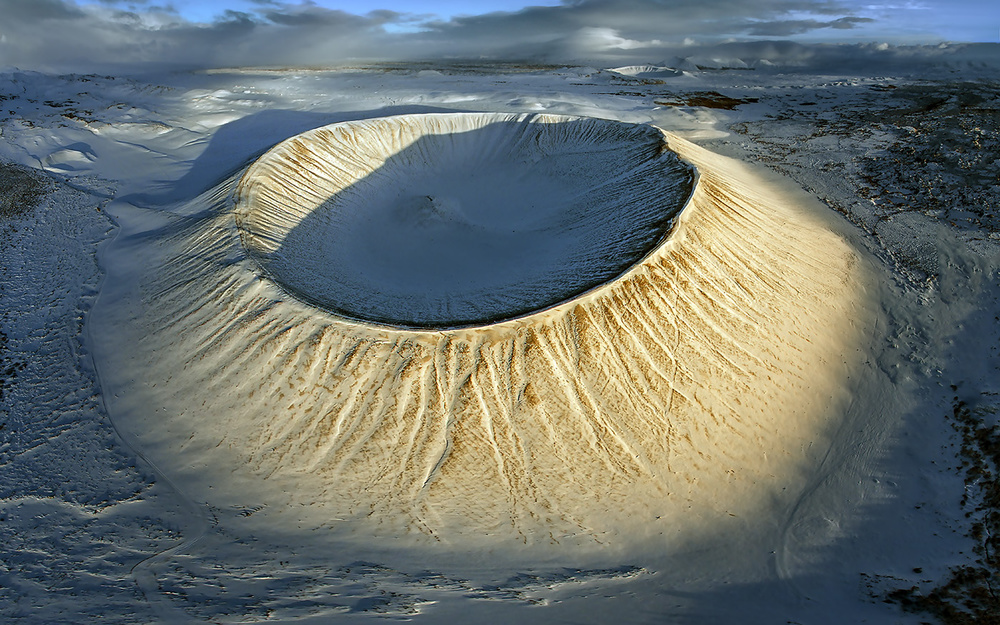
773 400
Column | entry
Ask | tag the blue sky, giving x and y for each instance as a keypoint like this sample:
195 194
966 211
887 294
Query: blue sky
65 34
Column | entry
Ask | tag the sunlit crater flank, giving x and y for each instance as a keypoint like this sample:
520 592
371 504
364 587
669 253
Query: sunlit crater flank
442 221
480 326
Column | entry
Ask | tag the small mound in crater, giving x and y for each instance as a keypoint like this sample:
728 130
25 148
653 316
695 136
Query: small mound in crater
450 220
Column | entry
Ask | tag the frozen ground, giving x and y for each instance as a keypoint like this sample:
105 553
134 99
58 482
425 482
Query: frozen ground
90 527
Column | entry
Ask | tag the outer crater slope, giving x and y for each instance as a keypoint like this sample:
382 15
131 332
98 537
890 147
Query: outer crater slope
694 383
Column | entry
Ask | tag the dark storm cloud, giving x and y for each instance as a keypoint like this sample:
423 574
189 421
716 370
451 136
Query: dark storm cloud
58 34
20 10
787 28
635 18
311 17
61 35
846 23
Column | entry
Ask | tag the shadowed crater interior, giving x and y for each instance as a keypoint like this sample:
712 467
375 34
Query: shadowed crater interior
450 220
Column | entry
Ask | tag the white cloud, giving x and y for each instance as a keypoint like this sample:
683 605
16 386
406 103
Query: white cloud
598 39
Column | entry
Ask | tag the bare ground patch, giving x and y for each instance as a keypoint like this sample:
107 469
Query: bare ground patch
20 190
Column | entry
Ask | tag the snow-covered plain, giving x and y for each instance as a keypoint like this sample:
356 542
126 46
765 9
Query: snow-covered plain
111 509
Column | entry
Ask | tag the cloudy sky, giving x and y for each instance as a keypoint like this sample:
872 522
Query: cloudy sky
90 34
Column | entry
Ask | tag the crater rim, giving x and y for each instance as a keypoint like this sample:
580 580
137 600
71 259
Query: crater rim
248 189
